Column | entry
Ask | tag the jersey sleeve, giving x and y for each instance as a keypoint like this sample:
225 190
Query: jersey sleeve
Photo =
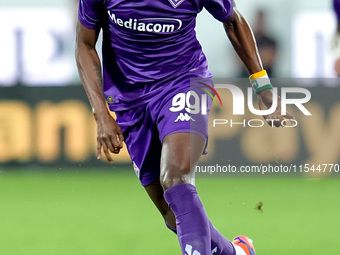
89 13
220 9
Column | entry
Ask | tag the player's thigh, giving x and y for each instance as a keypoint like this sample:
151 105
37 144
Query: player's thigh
180 155
183 132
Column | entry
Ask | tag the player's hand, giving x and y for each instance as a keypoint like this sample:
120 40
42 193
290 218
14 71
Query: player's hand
265 99
109 136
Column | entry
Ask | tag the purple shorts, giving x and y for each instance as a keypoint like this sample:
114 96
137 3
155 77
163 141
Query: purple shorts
182 108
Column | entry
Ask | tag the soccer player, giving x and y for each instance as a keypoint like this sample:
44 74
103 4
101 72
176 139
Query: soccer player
152 62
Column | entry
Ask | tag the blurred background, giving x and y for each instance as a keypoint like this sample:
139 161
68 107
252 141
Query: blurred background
56 198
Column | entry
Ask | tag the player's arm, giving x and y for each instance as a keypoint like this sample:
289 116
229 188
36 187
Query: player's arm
243 41
109 135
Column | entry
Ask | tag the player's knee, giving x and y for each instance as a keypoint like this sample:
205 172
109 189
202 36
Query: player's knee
174 174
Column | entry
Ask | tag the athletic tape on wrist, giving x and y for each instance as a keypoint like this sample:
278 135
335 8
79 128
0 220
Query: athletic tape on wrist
260 81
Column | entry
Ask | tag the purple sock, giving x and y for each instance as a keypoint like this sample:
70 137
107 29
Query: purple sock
219 244
193 228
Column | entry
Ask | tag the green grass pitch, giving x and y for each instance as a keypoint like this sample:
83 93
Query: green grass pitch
97 213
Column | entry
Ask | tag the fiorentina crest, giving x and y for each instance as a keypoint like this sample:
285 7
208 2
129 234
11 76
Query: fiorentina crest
175 3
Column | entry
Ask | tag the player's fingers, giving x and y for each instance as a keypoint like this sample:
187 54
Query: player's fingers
291 119
267 120
99 147
275 121
107 141
120 137
282 121
117 142
107 153
116 151
114 144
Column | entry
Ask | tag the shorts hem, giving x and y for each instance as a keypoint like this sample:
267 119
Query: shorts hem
147 180
191 131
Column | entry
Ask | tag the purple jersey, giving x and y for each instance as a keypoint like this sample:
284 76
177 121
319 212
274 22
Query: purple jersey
147 44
